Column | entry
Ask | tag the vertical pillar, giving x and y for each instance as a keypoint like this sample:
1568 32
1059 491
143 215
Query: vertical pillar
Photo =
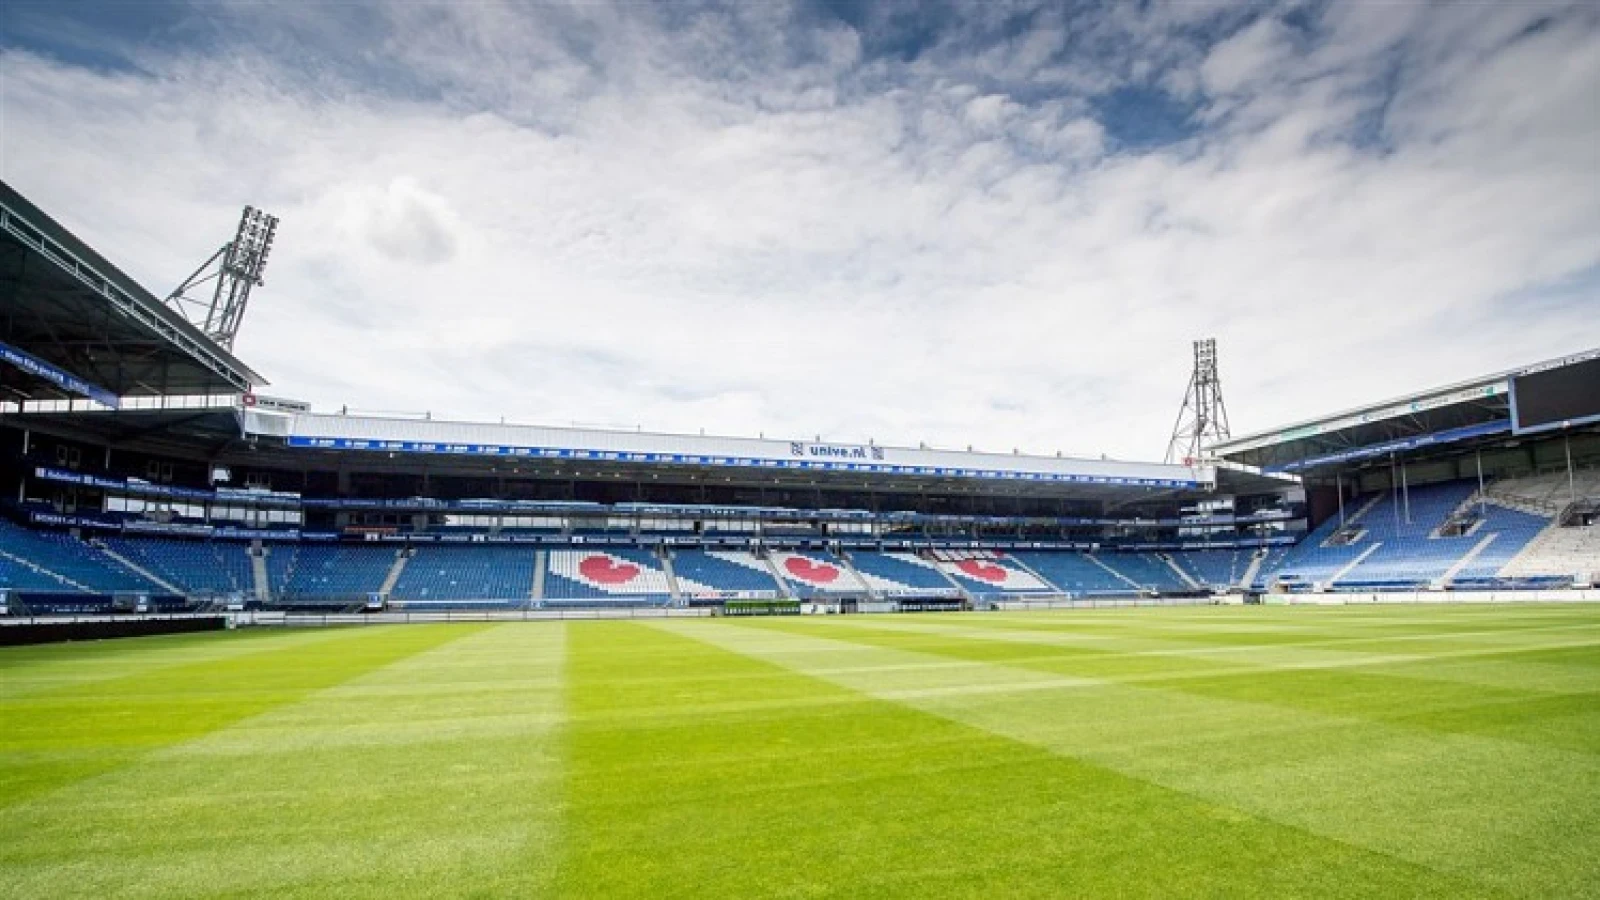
1483 511
1394 491
22 481
1405 491
1572 484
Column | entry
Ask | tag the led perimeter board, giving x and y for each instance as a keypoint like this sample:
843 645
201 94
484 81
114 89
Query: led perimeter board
1556 398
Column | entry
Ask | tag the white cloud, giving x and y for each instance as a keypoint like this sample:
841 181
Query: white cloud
746 224
1248 58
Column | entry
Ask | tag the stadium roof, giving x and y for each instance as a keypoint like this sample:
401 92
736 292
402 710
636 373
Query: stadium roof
74 325
1467 410
274 433
742 457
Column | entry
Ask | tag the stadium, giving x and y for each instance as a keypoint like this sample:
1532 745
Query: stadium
152 475
333 571
155 490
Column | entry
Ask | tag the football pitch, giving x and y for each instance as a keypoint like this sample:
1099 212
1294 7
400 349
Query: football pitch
1227 752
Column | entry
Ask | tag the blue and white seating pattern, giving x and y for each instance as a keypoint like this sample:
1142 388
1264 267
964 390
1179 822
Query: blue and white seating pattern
709 574
992 574
817 574
896 574
1400 548
1074 573
1513 532
1310 562
1408 554
606 574
1270 565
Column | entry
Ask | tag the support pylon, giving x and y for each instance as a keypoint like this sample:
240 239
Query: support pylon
1203 418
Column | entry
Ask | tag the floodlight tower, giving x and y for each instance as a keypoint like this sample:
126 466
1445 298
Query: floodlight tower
236 267
1203 418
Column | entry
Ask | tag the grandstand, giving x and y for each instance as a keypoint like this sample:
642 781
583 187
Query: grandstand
1491 483
809 575
723 575
444 576
153 468
989 574
612 575
192 567
1216 569
902 575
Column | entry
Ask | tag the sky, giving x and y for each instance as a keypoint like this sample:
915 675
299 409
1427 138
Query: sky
997 224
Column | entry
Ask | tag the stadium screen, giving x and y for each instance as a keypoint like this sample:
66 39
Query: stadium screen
1548 399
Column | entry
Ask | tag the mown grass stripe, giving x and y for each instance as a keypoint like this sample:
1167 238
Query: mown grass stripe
1522 813
43 668
1497 666
435 773
879 799
52 739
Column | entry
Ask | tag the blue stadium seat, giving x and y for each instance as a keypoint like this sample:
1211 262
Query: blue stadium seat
71 559
20 577
1075 573
337 572
198 567
608 574
1149 571
994 576
894 574
472 572
1399 547
1513 530
817 574
1216 569
707 574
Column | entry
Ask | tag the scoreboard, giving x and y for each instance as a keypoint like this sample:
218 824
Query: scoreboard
1556 398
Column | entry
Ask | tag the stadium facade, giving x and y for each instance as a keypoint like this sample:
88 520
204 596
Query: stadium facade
144 465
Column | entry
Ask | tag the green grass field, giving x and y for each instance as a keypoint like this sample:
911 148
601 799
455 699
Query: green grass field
1227 752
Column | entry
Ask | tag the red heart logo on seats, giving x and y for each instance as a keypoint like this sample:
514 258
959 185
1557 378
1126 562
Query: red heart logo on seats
605 570
983 571
814 572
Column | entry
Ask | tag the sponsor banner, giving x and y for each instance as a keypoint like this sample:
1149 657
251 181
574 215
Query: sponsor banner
1397 446
1496 388
61 378
59 520
805 450
222 532
273 404
897 593
826 462
247 496
693 511
144 526
268 534
63 475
